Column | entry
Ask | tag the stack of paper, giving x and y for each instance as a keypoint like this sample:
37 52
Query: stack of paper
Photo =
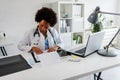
49 58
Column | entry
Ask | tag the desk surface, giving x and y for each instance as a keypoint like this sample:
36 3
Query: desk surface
66 69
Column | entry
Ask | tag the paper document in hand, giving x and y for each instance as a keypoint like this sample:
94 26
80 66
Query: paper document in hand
49 58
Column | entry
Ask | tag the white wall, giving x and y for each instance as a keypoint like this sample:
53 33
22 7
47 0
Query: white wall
105 5
17 16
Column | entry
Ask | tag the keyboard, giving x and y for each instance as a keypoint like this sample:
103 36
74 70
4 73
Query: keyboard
81 50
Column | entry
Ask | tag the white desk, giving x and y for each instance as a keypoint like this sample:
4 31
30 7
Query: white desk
66 69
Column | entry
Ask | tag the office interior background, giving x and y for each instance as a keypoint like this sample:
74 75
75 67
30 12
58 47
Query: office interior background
17 17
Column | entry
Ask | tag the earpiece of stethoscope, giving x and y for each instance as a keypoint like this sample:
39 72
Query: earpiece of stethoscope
36 32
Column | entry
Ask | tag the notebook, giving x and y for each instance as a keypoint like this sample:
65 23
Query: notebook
93 44
49 58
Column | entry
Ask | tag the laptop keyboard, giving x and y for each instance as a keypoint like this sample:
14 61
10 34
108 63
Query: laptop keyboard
81 50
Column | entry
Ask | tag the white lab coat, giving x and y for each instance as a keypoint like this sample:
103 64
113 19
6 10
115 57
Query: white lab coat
28 41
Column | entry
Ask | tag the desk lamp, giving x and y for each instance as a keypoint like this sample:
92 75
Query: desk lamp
93 19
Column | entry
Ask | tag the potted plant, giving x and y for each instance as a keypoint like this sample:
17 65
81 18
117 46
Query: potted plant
98 26
74 39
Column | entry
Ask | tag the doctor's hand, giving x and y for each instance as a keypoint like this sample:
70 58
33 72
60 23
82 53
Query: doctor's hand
37 50
55 48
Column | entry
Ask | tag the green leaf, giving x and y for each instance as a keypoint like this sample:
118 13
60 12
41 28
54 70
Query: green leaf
97 27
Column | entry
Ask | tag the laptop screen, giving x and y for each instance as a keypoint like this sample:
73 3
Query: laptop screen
94 42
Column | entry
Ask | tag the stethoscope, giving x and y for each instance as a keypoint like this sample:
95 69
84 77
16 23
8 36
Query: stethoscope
37 33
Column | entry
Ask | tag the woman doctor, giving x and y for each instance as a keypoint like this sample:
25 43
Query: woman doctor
44 36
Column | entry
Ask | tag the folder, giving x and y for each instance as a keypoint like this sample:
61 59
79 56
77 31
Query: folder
13 64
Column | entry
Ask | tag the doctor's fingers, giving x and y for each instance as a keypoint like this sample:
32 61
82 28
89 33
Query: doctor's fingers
39 52
51 50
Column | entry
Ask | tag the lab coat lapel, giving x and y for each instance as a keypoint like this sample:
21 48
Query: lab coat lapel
42 42
50 39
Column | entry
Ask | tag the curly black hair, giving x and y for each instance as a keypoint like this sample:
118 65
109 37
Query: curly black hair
46 14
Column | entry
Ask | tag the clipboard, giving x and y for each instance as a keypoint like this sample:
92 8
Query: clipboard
35 57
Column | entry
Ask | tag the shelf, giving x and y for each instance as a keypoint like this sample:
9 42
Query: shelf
69 2
67 33
65 18
70 21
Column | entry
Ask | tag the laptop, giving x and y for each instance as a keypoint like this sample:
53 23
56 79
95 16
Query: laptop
93 44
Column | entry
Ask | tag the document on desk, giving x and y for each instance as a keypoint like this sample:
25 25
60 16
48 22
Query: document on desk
49 58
